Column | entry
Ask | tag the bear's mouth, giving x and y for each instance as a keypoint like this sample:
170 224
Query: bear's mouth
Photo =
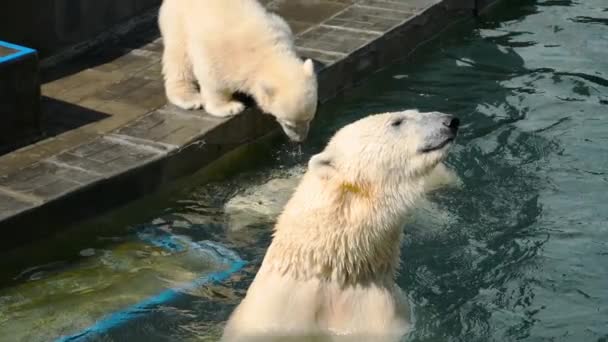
439 146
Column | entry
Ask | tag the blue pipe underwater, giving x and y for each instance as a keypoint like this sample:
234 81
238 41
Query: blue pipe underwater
21 51
175 244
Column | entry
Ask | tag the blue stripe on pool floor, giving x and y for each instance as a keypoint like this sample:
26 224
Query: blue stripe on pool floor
21 51
140 309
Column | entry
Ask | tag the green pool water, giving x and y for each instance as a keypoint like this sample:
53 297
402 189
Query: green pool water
519 252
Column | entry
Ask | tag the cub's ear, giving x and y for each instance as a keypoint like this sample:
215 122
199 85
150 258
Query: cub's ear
309 67
322 165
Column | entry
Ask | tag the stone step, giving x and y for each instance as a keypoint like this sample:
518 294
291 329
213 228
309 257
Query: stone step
20 119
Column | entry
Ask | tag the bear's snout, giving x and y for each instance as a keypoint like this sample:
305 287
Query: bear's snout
452 123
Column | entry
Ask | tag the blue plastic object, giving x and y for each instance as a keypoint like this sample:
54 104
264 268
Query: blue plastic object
19 51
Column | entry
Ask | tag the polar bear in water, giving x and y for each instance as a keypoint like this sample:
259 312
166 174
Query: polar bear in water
229 46
328 274
262 203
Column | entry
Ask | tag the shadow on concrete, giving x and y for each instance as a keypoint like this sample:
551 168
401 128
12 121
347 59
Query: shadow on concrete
52 25
60 116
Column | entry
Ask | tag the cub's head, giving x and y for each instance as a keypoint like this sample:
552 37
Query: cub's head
386 151
290 95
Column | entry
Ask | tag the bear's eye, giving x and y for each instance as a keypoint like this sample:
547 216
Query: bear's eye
397 122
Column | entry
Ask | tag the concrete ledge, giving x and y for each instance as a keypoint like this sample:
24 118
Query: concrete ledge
47 187
19 96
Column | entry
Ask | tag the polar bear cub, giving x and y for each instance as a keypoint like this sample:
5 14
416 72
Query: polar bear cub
229 46
328 274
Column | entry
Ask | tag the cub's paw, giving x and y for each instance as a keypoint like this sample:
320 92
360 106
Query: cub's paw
187 101
227 109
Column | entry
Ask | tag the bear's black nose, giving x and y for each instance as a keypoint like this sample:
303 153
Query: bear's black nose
452 123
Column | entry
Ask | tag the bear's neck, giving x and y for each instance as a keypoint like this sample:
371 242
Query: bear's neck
354 240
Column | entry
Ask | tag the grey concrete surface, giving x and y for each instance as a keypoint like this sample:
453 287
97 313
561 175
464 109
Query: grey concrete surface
20 118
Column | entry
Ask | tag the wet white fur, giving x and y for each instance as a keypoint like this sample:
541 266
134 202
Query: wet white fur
328 274
261 204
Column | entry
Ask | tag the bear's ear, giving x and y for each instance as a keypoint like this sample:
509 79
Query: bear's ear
309 67
322 165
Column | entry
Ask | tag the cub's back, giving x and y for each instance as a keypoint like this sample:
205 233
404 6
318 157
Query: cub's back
226 13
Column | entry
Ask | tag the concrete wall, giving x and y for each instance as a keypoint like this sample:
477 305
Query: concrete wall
50 25
20 118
